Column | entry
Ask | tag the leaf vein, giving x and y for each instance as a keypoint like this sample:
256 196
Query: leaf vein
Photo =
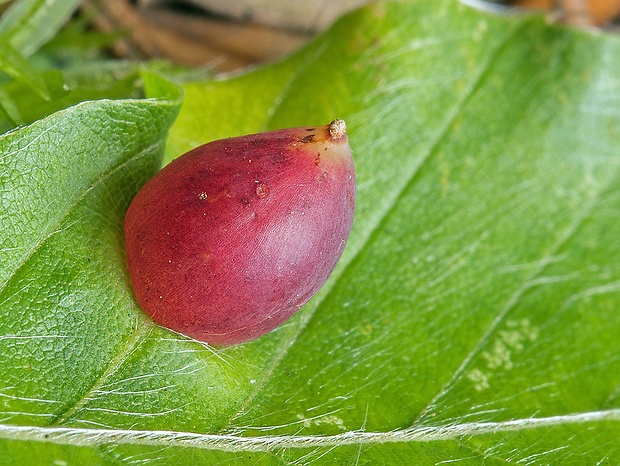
96 437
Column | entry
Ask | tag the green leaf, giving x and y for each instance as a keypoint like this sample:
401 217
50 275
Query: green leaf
24 28
474 314
28 24
14 64
114 80
65 183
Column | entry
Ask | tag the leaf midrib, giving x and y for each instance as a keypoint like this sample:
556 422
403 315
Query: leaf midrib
94 437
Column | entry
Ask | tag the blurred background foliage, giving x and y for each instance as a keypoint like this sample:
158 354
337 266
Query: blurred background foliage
224 35
216 34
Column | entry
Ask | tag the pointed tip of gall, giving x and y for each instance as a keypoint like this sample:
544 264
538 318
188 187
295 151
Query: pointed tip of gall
337 129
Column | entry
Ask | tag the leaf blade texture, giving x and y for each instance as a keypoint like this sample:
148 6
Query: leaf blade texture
473 315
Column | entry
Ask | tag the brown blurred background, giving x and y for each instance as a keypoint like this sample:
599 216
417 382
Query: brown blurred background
226 35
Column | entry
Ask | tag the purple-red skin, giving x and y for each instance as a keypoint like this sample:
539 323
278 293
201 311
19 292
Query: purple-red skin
229 240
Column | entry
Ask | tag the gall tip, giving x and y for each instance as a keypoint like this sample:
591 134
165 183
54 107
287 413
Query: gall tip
337 129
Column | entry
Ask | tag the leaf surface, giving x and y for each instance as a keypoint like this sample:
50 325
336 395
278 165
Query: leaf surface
473 316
